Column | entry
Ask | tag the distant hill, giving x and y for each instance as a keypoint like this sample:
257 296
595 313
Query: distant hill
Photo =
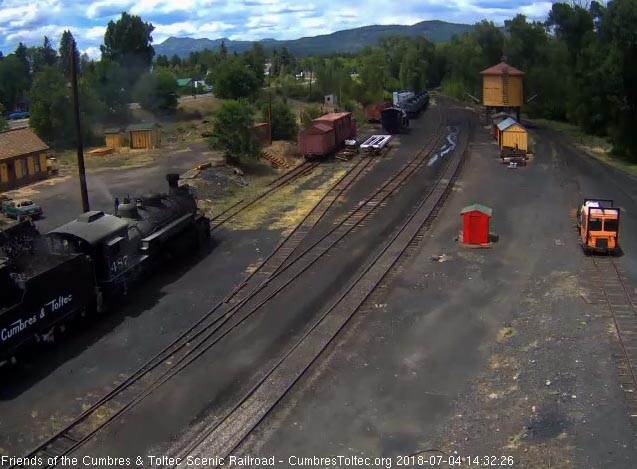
349 40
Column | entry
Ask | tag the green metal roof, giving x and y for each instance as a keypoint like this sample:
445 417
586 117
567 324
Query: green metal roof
183 81
141 126
477 208
113 130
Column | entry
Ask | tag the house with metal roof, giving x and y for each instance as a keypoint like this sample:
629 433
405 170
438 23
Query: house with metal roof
22 158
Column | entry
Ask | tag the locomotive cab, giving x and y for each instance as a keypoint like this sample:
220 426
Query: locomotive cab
598 224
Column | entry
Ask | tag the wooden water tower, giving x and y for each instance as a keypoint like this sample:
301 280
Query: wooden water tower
502 88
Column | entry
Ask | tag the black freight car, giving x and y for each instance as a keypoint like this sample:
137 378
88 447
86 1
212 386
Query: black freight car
394 120
80 267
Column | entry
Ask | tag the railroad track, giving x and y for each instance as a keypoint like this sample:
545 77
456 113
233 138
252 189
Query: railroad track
610 288
228 433
136 387
301 170
200 337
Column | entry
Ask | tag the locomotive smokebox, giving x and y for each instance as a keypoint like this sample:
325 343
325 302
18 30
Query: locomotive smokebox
173 180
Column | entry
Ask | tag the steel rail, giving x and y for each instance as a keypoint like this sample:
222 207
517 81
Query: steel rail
231 424
72 442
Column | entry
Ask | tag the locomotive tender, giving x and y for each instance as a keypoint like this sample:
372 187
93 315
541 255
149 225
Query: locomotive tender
80 267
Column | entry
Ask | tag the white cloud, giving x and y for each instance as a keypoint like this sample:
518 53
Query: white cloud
29 21
94 53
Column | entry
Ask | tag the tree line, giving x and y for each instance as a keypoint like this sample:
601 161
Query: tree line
580 64
580 67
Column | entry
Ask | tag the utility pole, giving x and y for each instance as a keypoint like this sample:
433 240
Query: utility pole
270 115
78 131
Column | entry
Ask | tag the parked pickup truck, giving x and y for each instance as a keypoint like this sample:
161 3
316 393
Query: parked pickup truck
20 209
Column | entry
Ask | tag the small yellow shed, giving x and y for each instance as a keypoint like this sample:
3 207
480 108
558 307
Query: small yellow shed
115 138
144 135
512 134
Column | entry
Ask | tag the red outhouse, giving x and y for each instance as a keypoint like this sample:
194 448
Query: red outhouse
475 224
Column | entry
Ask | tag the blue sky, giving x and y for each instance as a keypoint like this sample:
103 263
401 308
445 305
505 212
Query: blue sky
29 20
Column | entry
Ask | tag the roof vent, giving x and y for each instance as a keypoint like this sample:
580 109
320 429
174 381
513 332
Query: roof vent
90 217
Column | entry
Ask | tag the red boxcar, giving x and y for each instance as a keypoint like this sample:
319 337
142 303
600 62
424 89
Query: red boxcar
316 141
342 123
372 112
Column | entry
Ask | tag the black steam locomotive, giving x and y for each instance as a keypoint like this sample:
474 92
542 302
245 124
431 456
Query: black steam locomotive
98 255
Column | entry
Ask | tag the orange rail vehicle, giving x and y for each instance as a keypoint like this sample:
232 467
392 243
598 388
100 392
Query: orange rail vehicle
598 223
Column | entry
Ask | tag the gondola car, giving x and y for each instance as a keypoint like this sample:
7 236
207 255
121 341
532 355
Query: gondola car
84 265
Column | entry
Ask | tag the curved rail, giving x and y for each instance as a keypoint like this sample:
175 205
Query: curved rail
85 426
226 436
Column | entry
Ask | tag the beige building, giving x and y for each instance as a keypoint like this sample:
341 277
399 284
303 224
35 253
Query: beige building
22 158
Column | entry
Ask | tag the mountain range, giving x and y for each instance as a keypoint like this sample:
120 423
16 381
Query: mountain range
348 40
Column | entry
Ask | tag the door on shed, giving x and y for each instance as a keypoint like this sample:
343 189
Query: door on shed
475 227
30 165
4 173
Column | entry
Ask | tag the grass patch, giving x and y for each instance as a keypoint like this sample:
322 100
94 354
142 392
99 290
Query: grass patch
505 332
283 209
205 105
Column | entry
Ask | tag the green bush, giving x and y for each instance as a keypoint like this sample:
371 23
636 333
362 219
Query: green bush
453 88
233 135
310 113
284 126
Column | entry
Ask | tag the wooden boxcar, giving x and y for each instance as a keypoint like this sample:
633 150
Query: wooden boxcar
343 124
372 112
318 140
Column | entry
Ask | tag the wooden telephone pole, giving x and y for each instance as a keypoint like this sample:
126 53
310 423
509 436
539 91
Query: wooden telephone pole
270 116
78 130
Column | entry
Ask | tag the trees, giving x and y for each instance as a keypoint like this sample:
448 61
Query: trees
13 81
128 42
157 91
162 61
232 79
284 126
223 50
3 121
255 60
310 113
41 56
50 111
233 131
108 81
66 46
175 61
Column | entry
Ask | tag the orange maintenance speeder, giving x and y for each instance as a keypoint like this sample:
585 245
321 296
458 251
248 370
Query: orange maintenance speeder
598 223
